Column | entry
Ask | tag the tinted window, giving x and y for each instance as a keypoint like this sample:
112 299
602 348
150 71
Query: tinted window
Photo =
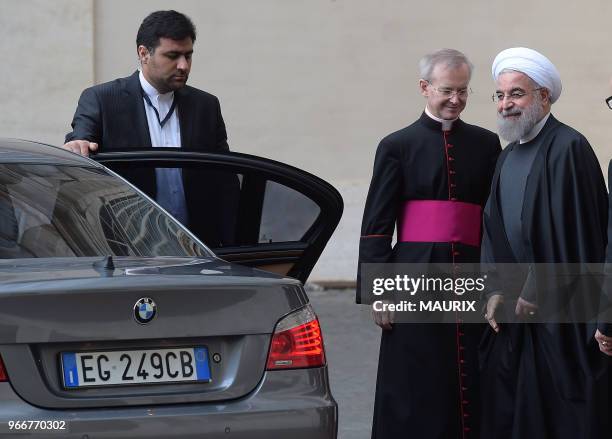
60 211
226 208
286 215
211 196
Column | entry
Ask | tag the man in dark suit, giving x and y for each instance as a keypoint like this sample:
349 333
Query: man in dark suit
113 115
155 108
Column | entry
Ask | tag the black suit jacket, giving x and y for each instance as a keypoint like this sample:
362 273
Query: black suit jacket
113 115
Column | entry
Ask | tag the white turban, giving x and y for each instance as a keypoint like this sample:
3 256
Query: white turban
531 63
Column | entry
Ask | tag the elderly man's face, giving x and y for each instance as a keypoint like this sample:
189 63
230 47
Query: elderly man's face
167 68
447 91
523 105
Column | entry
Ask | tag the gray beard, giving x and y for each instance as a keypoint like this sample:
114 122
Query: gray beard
515 130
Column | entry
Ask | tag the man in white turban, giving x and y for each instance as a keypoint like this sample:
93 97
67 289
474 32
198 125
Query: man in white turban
541 378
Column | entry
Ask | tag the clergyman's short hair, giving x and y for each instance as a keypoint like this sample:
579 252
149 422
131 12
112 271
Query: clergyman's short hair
164 24
451 58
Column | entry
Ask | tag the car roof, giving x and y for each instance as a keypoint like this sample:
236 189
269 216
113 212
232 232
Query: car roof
29 152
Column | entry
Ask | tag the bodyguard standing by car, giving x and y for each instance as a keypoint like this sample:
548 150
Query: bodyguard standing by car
439 167
154 108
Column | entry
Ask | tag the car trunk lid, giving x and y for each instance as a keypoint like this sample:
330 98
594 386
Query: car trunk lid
78 305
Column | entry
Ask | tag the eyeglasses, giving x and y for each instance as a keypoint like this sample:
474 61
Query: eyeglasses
448 93
516 95
609 102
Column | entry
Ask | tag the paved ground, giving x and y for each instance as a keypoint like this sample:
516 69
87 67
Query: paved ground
351 344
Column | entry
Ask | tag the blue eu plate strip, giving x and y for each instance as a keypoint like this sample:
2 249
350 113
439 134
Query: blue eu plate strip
71 376
201 359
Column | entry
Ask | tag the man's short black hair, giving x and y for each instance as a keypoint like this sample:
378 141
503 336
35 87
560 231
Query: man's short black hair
164 24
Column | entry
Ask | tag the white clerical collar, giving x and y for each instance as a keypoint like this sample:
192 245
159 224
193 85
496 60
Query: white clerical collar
535 130
447 124
150 90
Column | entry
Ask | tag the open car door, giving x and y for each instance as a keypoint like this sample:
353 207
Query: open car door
247 209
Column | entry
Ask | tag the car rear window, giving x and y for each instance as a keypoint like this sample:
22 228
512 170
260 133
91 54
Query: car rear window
63 211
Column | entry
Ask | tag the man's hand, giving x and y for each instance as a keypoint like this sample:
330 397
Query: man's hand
605 343
525 310
384 318
492 304
81 147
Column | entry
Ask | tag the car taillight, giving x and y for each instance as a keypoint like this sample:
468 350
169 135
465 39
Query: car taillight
297 342
3 375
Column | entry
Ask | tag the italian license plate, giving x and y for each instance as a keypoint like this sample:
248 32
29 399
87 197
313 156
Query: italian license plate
148 366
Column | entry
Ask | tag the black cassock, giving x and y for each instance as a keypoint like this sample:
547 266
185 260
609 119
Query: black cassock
427 385
546 380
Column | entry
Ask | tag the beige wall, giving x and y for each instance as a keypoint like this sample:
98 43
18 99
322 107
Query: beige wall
46 59
313 83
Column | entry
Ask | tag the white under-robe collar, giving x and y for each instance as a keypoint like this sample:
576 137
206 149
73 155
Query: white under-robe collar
447 124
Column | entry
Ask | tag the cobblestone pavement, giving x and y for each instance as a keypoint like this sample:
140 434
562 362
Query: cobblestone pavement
351 344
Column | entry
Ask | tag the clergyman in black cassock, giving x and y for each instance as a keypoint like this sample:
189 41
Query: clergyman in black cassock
548 204
427 385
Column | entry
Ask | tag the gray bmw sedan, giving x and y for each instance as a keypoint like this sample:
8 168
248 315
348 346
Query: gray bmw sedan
116 321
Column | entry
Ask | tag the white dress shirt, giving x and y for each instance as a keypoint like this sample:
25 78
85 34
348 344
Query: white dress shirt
169 181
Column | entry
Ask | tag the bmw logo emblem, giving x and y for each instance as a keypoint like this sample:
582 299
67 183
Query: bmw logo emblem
145 310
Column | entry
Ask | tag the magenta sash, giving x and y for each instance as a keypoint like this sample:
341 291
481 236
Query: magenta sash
440 221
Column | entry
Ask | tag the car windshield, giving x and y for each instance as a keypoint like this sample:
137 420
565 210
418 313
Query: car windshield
63 211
